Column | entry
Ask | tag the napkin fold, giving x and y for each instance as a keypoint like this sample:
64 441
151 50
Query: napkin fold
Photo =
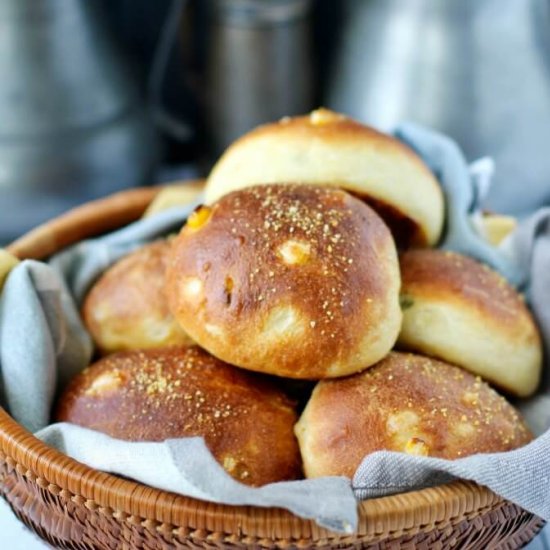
186 466
43 344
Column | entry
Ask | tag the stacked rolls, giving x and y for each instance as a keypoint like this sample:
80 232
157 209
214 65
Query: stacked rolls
304 264
330 149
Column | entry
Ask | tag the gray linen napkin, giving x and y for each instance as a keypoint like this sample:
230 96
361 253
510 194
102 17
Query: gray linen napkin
185 466
42 343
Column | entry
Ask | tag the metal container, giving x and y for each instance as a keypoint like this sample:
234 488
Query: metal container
72 125
478 70
258 65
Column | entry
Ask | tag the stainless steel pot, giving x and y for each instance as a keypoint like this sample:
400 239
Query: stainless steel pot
72 125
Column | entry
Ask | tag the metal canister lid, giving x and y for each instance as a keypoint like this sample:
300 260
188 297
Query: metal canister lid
260 12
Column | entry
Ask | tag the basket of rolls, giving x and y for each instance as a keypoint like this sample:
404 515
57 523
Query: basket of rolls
326 344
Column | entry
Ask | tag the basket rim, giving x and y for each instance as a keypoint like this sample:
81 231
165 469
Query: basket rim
385 516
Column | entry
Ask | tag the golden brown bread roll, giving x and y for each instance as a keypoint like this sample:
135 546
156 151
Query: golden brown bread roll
293 280
460 310
327 148
153 395
407 403
127 309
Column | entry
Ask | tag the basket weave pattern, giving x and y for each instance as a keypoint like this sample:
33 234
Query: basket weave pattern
74 507
70 521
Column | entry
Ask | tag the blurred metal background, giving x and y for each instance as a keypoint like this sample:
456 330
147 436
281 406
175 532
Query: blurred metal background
97 95
72 124
477 70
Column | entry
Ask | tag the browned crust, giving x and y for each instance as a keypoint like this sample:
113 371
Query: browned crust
337 128
441 395
455 278
162 394
132 291
344 291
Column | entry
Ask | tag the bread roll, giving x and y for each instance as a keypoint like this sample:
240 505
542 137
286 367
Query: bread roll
327 148
176 194
494 228
127 309
7 263
154 395
293 280
407 403
460 310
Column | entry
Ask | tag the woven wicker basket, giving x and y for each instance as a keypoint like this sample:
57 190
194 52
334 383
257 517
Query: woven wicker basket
73 506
